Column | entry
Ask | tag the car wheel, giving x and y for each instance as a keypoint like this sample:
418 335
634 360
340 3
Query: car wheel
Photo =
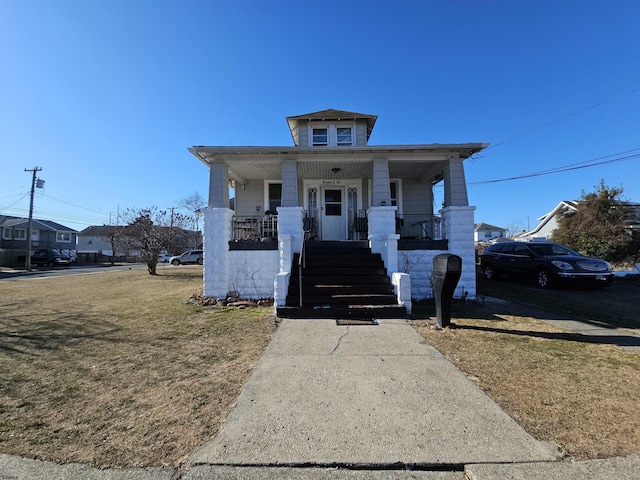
544 279
489 272
200 261
175 262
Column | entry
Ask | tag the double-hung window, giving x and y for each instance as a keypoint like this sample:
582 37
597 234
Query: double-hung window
332 136
320 137
343 136
63 237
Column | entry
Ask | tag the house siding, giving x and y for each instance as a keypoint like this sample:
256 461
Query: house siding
417 197
252 196
361 134
303 136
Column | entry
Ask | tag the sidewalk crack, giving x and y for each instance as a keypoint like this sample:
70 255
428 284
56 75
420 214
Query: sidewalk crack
340 341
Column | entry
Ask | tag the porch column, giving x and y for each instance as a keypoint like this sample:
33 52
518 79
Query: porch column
381 194
382 235
290 183
455 185
217 233
458 230
290 232
218 184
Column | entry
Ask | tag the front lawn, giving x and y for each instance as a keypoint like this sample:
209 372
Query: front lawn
117 368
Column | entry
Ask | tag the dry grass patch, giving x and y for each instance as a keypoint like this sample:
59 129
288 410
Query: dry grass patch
117 369
583 396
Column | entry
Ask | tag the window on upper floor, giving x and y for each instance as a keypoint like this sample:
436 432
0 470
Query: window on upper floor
14 234
320 137
343 136
63 237
332 135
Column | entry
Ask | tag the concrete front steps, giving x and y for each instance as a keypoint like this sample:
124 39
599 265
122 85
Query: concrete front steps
341 280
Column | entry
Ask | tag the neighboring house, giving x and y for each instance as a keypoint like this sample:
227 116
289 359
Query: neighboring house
96 243
483 232
332 186
549 222
45 234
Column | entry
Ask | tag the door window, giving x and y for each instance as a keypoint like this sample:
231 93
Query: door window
333 202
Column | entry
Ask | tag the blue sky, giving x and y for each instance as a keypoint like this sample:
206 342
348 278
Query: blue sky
107 95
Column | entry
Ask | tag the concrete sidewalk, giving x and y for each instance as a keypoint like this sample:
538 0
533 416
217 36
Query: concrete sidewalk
330 395
357 402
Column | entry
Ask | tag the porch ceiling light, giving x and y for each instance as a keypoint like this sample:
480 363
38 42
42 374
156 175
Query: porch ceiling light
335 169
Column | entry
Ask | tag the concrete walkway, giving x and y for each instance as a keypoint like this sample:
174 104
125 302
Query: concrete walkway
329 395
357 402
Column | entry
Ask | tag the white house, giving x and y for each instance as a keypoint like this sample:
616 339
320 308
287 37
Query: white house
333 189
484 232
547 223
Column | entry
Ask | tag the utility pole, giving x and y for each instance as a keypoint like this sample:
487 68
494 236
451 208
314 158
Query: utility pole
172 210
27 260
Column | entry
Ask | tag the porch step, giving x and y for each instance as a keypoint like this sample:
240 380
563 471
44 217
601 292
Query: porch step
349 311
341 280
338 299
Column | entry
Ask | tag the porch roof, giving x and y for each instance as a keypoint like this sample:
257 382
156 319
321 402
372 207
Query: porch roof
417 161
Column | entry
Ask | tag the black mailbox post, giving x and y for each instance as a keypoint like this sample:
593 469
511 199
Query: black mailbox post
447 269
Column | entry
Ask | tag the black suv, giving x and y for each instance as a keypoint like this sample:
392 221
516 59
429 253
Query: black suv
548 262
49 258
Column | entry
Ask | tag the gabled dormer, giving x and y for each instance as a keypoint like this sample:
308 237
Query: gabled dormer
331 128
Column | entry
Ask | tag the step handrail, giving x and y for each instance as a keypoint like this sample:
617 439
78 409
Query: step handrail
302 262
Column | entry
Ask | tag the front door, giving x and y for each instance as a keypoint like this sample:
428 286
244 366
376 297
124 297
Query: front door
334 221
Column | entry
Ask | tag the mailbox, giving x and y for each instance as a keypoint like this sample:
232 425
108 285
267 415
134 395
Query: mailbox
447 269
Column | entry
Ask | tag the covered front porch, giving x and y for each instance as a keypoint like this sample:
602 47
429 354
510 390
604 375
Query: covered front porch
284 196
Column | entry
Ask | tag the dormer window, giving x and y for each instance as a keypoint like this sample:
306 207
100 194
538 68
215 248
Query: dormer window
331 136
344 136
320 137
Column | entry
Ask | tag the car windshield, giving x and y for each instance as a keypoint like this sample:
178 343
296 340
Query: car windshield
551 249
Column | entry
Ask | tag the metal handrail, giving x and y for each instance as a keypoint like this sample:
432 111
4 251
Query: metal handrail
302 262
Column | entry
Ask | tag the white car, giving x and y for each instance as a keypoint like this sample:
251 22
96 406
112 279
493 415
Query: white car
190 256
164 258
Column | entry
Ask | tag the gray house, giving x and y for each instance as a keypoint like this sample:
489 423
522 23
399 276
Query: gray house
45 234
336 200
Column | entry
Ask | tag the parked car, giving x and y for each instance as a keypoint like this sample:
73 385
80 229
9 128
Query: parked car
190 256
164 258
549 263
49 258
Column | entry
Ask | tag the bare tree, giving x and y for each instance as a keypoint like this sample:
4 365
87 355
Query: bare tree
514 228
150 231
194 204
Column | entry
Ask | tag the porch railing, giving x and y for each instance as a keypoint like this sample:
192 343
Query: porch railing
255 228
419 226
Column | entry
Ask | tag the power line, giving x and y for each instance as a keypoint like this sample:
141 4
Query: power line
563 117
11 205
72 205
567 168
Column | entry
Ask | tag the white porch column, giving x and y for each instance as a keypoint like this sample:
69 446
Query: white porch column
217 233
289 234
458 230
382 235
